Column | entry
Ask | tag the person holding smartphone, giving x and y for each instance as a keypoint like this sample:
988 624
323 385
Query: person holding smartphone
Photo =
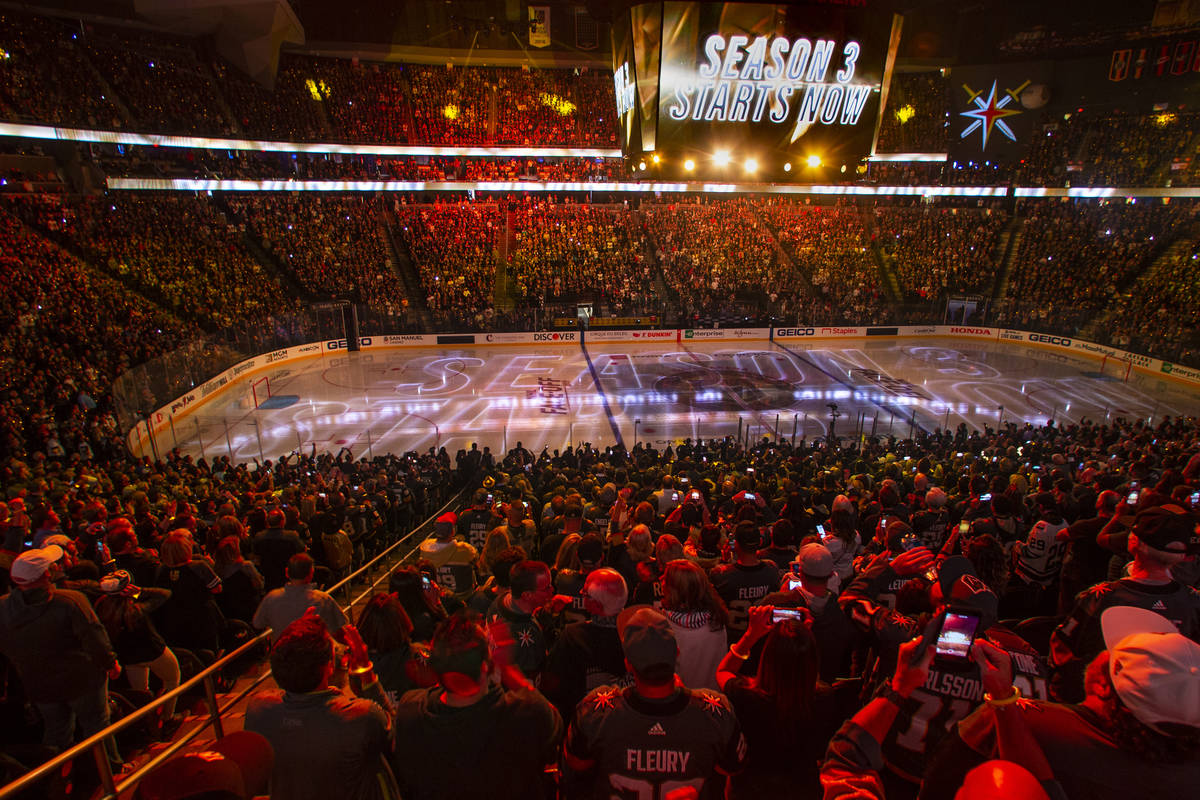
954 686
787 713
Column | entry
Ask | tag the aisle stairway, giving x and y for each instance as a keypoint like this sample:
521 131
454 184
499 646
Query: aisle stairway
1007 247
401 264
888 278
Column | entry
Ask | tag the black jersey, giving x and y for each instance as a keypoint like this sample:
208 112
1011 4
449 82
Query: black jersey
1079 638
645 749
741 587
948 695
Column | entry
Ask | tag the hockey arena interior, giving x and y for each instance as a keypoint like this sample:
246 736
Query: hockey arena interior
554 399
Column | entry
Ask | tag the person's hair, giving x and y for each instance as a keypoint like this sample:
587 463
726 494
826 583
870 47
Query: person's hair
568 556
686 588
177 549
639 545
457 635
299 658
843 525
523 577
229 551
117 613
644 513
405 583
1176 745
783 533
275 518
229 525
496 542
987 557
121 538
788 669
667 549
503 564
384 624
606 587
299 567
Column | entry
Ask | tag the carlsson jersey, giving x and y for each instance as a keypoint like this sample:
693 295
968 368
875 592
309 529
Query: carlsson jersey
949 694
646 749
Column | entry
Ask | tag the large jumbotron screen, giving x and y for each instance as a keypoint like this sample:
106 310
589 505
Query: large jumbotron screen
721 89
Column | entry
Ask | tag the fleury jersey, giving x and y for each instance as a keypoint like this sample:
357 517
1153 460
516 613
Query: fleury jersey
1041 553
741 587
644 750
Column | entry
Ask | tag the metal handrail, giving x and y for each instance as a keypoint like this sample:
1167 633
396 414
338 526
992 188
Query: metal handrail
95 742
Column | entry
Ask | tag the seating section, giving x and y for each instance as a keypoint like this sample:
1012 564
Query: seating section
936 250
331 244
453 245
566 252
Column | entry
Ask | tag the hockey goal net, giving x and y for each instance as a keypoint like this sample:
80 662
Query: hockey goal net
1113 367
260 391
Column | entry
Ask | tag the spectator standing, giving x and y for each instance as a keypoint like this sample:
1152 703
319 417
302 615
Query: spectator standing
327 742
698 618
747 580
1158 542
283 606
453 560
656 732
468 737
273 547
60 650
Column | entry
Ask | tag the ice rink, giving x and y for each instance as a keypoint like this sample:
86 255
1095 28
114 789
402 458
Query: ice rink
400 399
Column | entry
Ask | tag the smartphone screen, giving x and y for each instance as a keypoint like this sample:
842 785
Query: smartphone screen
780 614
795 568
821 530
793 582
955 638
985 498
1133 497
675 496
963 527
425 582
749 495
1195 498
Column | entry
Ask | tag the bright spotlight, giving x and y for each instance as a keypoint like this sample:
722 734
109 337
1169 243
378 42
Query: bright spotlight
814 161
722 158
751 165
689 165
655 158
787 167
642 166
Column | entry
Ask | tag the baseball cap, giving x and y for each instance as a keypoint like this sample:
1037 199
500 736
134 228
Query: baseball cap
57 539
1167 528
815 560
647 638
962 587
115 582
591 549
1154 668
32 564
449 518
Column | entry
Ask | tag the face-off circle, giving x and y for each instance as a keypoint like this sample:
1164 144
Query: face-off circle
726 389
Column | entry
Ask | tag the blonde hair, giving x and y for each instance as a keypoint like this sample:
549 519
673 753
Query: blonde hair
177 549
639 545
497 542
568 553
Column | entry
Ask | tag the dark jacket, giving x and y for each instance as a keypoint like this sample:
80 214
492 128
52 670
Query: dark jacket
56 643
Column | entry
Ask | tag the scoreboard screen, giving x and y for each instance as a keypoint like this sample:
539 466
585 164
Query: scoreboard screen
724 89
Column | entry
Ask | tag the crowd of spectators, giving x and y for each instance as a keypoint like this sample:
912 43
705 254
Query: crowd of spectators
160 81
829 247
1086 251
44 76
939 250
569 251
330 243
176 249
285 112
775 617
1160 314
453 246
67 333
